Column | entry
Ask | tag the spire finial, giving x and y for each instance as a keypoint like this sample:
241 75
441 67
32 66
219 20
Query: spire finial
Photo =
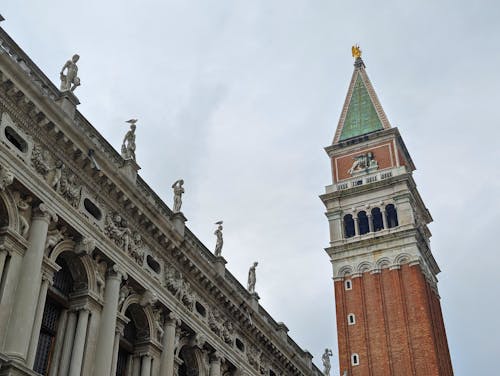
356 52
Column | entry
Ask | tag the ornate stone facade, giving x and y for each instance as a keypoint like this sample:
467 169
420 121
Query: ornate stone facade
99 276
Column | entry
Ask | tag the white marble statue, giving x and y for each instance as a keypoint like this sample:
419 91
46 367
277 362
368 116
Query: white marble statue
327 366
70 81
178 191
128 145
252 278
220 239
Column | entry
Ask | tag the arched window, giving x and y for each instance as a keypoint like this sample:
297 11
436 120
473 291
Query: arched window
349 226
364 226
348 284
378 222
392 216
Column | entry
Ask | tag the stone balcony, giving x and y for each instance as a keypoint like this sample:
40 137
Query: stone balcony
365 179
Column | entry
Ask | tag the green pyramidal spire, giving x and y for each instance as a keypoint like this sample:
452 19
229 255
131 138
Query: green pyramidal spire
362 112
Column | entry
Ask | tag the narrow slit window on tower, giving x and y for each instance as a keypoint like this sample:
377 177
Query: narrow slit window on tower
15 139
351 319
392 216
355 359
349 231
364 226
378 222
348 284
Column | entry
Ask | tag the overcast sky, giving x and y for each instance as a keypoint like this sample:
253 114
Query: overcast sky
240 97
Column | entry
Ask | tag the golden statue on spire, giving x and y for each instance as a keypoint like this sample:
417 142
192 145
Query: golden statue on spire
356 52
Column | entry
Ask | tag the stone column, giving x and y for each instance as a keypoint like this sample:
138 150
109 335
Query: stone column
356 225
105 340
146 365
370 221
79 344
58 347
3 256
167 356
40 306
69 337
215 360
116 348
136 369
384 217
18 334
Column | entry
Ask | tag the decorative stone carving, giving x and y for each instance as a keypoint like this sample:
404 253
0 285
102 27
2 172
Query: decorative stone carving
180 288
6 177
148 298
159 323
253 356
23 207
40 159
137 249
70 81
327 366
85 246
117 229
128 145
199 340
188 297
220 239
54 178
178 191
173 282
252 277
69 188
125 291
100 273
363 163
215 321
55 236
228 332
264 364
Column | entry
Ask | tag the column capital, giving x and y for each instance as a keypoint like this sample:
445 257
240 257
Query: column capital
216 357
3 249
48 276
43 212
117 272
172 319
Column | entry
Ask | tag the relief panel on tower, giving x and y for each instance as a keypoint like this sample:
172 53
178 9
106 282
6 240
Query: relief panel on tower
364 161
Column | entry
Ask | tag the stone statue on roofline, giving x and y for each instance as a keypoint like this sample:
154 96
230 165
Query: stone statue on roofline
128 145
70 80
220 239
178 191
252 277
327 366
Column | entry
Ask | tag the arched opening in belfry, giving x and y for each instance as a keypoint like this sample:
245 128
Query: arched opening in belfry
364 226
189 365
135 333
378 221
349 230
392 216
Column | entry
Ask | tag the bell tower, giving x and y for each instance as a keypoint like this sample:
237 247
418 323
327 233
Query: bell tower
389 318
